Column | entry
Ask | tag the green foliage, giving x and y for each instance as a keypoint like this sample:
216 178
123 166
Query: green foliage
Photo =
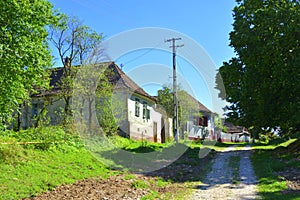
42 138
24 53
188 108
262 81
218 121
76 44
165 100
109 106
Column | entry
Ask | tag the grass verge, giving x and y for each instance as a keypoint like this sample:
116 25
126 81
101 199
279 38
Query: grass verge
268 161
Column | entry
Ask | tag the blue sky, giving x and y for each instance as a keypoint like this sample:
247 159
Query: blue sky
207 23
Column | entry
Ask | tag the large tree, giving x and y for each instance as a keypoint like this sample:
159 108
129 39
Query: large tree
76 44
262 81
24 53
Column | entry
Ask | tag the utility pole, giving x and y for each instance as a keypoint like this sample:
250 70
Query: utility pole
175 99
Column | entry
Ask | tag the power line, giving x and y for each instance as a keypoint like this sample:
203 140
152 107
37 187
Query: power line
143 54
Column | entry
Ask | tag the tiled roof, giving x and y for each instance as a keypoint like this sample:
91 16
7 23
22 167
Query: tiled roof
122 81
118 78
200 106
231 128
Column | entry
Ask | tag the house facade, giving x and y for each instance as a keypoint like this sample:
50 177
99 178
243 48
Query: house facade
143 121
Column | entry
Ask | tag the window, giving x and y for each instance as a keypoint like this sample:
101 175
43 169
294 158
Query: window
144 109
146 112
137 107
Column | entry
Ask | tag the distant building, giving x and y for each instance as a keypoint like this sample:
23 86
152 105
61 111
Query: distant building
234 133
201 121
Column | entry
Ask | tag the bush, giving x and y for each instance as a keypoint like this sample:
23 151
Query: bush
264 139
11 153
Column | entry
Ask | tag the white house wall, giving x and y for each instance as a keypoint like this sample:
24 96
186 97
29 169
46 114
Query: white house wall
142 129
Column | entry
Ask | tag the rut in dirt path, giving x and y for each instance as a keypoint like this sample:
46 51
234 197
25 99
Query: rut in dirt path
231 177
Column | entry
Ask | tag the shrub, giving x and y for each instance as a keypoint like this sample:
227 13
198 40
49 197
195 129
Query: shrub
11 153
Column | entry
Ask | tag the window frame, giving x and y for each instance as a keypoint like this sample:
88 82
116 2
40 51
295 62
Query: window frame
137 107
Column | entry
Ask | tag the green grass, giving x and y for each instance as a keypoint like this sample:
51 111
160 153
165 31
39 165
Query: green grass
152 196
162 183
56 157
140 184
37 160
129 176
272 145
43 170
120 153
267 161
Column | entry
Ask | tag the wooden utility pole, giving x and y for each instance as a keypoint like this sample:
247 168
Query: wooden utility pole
175 99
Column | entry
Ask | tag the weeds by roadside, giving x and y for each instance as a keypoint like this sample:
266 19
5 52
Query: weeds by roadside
269 161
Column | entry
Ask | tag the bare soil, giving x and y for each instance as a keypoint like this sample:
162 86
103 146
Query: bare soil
113 188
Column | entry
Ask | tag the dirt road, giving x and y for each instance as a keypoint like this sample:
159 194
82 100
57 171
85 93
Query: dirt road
231 177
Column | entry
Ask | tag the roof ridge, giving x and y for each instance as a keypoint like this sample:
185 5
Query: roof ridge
130 84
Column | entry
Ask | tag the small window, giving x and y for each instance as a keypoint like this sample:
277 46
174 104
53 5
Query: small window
148 114
137 107
144 110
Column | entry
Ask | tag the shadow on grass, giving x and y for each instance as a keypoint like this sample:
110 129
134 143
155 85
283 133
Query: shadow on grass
141 159
144 149
176 163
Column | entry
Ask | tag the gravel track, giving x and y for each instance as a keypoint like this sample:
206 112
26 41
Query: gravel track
218 183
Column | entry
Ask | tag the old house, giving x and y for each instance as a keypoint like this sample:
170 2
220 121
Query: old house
141 119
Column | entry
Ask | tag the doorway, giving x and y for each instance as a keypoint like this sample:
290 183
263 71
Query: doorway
154 131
